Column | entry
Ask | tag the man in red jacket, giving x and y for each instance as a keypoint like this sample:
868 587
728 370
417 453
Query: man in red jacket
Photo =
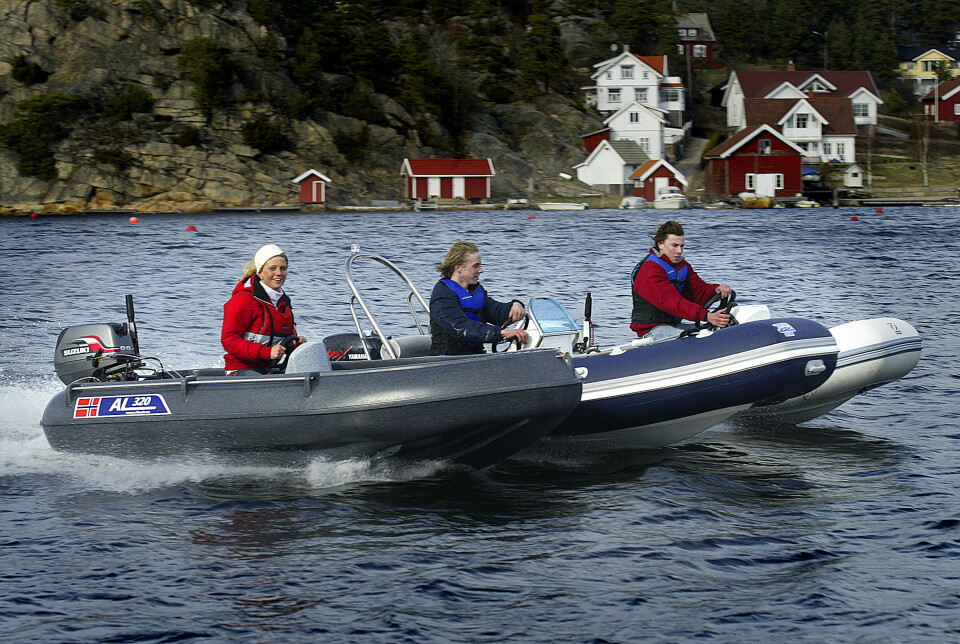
666 289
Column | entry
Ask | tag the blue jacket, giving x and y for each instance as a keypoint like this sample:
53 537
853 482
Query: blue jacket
454 333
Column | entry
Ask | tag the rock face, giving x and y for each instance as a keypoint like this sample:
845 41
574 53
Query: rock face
123 43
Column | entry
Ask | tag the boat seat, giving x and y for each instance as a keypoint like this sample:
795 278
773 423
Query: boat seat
309 357
410 346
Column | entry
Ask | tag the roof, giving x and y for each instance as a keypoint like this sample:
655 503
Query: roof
447 167
945 90
630 151
739 139
650 167
699 21
913 52
313 173
656 62
759 84
837 111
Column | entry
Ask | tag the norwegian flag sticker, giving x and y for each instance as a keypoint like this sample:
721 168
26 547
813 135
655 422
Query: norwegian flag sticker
136 405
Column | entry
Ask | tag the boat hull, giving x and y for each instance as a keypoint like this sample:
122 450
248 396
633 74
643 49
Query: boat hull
670 204
562 206
412 409
872 353
665 392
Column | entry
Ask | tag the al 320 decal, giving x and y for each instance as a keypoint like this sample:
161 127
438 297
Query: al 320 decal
133 405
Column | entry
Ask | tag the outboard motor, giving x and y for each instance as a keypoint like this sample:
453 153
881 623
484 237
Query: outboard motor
100 351
348 346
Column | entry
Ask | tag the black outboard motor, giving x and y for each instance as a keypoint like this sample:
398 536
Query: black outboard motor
100 351
348 346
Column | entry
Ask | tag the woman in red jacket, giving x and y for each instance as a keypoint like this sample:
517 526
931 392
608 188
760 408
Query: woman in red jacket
258 316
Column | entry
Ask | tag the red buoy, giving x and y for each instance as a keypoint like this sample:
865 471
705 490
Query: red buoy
356 215
192 228
854 218
879 211
33 215
531 216
134 220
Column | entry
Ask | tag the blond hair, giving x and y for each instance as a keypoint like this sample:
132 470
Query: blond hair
250 268
456 256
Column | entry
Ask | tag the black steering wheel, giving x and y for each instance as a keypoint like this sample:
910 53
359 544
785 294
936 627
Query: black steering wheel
726 303
519 324
288 344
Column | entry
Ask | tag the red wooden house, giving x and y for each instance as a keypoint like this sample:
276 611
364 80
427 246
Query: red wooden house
653 175
447 178
592 140
312 186
943 103
758 159
697 41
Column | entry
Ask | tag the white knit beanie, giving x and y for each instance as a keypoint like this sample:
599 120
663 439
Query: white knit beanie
265 254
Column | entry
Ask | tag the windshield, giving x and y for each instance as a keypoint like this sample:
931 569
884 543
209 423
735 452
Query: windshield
552 316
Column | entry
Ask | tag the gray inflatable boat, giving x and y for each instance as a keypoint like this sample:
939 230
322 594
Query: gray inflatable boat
469 410
473 410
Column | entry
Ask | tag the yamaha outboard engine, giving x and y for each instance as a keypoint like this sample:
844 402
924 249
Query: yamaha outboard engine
349 346
100 351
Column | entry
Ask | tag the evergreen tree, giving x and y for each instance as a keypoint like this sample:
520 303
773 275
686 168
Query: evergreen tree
541 57
648 27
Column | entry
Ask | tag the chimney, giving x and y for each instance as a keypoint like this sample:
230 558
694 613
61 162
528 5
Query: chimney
791 67
626 48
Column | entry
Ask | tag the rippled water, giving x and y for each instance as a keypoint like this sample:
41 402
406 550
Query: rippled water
844 529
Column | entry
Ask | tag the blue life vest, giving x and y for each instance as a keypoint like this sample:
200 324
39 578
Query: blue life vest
645 313
677 278
471 303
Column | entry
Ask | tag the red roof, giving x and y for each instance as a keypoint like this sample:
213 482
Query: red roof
741 137
759 84
448 167
657 62
642 169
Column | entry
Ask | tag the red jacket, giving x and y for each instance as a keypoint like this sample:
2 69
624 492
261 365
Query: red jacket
651 284
251 325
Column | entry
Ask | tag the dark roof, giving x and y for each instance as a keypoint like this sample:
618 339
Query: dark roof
945 88
837 110
911 52
700 22
759 84
629 151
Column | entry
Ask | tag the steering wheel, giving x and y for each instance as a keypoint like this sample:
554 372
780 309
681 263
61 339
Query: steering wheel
281 362
519 324
726 303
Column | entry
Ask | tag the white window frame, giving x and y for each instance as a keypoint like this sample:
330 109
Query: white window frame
634 117
699 51
613 94
826 148
841 150
911 65
956 109
861 109
644 144
779 182
681 49
764 147
626 71
669 95
640 94
750 181
802 118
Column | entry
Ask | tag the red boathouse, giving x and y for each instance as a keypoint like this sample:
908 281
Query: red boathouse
447 178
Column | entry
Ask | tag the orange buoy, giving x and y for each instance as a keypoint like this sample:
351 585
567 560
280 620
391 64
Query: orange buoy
854 218
191 227
879 211
33 215
134 220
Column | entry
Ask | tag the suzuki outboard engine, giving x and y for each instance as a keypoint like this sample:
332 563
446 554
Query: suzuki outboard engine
100 351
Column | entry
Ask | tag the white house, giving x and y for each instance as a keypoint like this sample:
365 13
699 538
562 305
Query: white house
646 79
820 125
857 87
610 165
639 122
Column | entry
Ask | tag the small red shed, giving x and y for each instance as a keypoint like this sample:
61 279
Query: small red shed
447 178
943 102
653 175
592 140
757 159
312 186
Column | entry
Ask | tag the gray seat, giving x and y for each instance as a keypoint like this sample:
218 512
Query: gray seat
308 358
410 346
